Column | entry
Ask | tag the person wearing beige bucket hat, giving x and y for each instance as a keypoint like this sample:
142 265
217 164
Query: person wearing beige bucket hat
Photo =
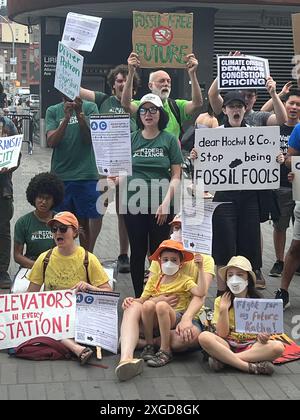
156 313
250 353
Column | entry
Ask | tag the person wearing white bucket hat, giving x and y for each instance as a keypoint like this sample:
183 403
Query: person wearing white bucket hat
250 353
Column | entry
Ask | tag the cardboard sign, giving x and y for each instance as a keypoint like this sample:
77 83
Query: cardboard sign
258 316
28 315
162 40
10 148
295 168
237 158
242 72
68 73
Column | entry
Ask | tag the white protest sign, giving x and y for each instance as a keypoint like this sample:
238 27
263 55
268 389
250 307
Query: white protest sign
295 168
10 148
112 143
28 315
237 158
80 31
68 72
242 72
97 319
196 217
258 316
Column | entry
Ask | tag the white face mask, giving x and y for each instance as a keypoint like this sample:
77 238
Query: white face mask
176 235
237 284
169 268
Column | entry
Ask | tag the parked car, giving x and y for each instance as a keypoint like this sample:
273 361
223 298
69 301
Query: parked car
34 101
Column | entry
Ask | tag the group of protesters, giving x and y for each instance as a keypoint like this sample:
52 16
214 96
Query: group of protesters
163 316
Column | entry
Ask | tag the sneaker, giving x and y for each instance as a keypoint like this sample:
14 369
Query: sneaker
261 368
148 352
260 280
277 269
5 280
123 264
284 295
215 364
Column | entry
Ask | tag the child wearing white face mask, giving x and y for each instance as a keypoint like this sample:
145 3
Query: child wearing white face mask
159 313
250 353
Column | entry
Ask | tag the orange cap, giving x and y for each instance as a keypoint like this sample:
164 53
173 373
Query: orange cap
65 218
170 244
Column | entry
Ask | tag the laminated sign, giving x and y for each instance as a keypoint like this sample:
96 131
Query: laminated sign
162 40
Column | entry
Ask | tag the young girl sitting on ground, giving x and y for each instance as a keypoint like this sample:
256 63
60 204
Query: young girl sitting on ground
250 353
158 313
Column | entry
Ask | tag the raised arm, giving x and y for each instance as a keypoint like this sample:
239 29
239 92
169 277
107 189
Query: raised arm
197 100
87 95
126 100
268 106
279 117
215 98
54 137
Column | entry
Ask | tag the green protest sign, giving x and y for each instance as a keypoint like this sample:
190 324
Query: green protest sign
162 40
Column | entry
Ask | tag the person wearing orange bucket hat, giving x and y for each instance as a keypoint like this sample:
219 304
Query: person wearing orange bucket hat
155 313
251 353
68 266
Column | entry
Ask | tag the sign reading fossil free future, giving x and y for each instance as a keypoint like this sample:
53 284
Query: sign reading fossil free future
241 158
162 40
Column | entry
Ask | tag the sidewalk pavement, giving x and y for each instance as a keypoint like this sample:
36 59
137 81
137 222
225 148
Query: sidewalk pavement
187 377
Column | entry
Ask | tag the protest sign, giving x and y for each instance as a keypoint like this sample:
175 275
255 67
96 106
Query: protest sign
28 315
80 31
68 72
237 158
97 319
258 316
10 148
112 143
295 168
242 72
162 40
296 32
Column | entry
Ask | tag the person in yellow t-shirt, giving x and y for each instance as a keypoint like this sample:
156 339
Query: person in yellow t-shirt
250 353
66 270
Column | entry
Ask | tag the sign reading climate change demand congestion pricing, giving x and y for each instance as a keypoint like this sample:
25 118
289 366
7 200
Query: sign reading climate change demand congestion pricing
68 72
242 72
238 158
10 148
28 315
162 40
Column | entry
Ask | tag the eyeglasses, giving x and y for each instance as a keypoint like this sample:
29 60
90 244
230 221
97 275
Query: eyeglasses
62 228
153 110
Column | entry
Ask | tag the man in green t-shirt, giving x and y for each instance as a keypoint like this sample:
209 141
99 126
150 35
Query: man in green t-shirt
160 84
112 105
73 161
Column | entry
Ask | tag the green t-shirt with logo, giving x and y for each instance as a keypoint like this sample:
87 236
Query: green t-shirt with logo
173 126
72 159
34 234
151 164
112 105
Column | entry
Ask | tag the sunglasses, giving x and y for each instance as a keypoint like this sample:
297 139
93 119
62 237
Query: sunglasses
153 110
61 229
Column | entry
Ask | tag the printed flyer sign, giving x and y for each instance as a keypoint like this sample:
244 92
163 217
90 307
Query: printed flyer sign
68 73
162 40
258 315
80 32
241 158
28 315
295 168
242 72
10 148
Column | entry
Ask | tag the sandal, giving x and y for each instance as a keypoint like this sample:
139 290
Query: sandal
161 358
148 352
85 355
261 368
129 368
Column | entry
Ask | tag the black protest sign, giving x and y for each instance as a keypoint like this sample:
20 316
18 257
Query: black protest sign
242 72
238 158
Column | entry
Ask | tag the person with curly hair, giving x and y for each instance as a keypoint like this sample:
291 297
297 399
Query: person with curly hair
106 104
32 235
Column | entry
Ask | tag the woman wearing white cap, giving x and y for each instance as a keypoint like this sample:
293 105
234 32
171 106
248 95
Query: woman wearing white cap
156 170
250 353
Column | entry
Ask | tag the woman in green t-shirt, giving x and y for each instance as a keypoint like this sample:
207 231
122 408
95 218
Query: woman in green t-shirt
149 192
32 235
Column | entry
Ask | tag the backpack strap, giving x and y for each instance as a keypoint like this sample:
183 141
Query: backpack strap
46 262
86 264
176 112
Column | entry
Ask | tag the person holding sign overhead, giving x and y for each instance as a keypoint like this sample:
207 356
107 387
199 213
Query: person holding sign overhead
250 353
179 110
